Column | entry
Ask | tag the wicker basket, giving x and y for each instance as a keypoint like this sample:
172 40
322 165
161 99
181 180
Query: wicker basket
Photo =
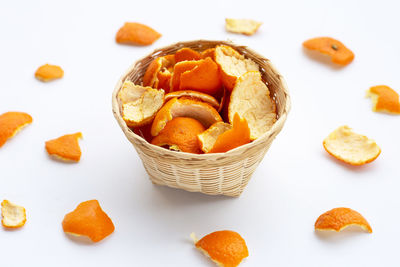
214 174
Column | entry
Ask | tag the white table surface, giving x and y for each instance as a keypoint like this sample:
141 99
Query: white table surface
294 184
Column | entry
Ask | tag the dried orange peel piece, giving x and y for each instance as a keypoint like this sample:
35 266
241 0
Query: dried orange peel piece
11 123
203 112
158 70
232 65
193 94
48 73
187 53
339 218
180 134
226 248
338 52
350 147
65 148
210 52
14 216
139 104
208 138
134 33
180 68
90 220
251 99
384 99
243 26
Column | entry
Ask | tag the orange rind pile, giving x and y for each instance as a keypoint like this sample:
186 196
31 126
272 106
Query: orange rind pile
88 219
350 147
133 33
243 26
217 88
11 123
338 219
384 99
48 73
14 216
226 248
65 148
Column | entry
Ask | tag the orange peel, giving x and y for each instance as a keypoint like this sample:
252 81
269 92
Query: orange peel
65 148
208 138
139 104
14 216
243 26
180 134
11 123
250 98
338 52
187 53
350 147
338 219
226 248
134 33
180 68
193 94
158 71
203 112
88 219
232 65
46 73
210 52
384 99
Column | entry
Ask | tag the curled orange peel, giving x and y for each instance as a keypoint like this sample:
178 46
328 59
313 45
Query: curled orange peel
384 99
14 216
134 33
11 123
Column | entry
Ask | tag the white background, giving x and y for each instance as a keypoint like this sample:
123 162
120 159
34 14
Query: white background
294 184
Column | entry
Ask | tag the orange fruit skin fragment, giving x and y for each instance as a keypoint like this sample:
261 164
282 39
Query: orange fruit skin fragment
90 220
227 248
239 135
11 123
151 72
182 132
180 68
134 33
338 52
65 147
48 73
187 53
339 218
210 52
388 99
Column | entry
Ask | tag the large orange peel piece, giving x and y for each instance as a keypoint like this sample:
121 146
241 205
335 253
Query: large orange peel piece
11 123
14 216
159 72
182 107
338 52
251 99
46 73
187 53
88 219
226 248
339 218
180 134
243 26
65 148
350 147
139 104
232 65
384 99
193 94
134 33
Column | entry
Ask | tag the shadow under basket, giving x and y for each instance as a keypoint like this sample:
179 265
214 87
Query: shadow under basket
216 173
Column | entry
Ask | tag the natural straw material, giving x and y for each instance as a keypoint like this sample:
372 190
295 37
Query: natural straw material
215 174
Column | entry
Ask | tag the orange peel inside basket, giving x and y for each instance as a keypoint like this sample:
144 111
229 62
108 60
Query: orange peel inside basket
46 73
65 148
193 94
338 52
90 220
350 147
243 26
134 33
226 248
203 112
14 216
384 99
187 53
11 123
158 68
210 52
180 134
338 219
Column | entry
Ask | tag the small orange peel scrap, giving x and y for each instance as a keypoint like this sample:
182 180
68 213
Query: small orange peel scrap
226 248
350 147
243 26
88 219
14 216
338 52
134 33
11 123
48 73
384 99
251 99
65 148
338 219
180 134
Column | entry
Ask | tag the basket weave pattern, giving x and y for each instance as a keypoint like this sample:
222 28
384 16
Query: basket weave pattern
215 174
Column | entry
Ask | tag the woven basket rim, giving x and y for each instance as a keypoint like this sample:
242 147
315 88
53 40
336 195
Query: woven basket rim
277 126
